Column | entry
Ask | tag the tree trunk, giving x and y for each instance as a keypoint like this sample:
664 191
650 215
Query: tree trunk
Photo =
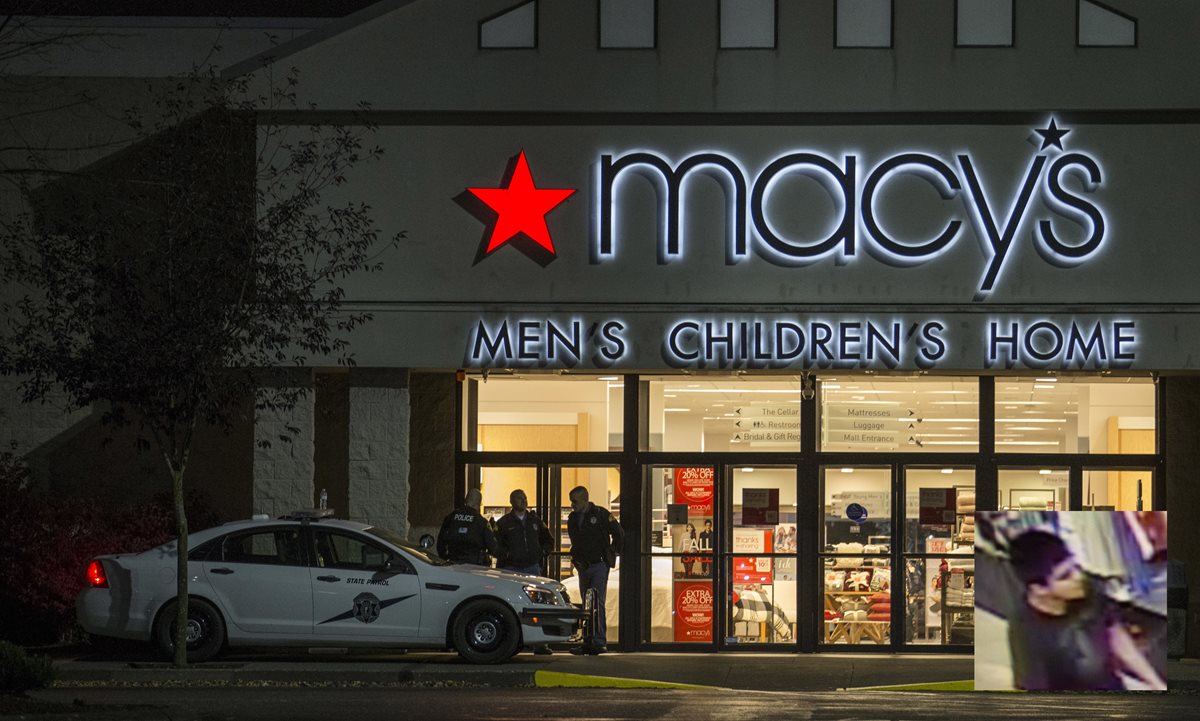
181 568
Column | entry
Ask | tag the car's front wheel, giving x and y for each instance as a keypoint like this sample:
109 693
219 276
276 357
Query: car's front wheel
486 631
205 631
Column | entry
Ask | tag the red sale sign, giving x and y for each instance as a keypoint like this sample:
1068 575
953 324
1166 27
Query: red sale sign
693 612
694 486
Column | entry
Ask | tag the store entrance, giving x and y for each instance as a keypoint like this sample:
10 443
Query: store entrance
547 487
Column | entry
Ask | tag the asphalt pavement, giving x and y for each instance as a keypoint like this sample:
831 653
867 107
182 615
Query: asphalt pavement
376 703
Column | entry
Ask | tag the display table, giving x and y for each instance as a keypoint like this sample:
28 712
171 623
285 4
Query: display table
854 631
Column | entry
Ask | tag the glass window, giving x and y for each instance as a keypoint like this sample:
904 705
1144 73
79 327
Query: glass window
279 547
680 545
530 412
939 523
515 27
939 509
1099 25
856 546
497 483
907 414
604 490
984 23
864 23
627 23
1063 414
1033 489
763 605
1118 489
338 550
748 23
724 413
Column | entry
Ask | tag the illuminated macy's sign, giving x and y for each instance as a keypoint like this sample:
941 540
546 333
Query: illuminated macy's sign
1072 229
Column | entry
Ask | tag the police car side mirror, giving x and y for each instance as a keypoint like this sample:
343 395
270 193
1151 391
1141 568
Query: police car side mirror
426 542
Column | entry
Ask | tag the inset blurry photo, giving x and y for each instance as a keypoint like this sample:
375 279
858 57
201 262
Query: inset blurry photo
1071 601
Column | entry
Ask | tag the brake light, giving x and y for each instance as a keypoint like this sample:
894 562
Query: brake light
95 575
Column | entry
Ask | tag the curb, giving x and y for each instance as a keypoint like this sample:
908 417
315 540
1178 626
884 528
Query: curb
967 685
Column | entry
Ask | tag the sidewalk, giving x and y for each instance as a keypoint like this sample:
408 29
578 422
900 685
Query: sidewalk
746 671
741 671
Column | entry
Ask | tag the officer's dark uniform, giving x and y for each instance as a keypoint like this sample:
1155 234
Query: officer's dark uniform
596 539
523 543
466 538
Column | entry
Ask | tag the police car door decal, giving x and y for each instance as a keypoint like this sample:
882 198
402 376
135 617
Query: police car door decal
366 608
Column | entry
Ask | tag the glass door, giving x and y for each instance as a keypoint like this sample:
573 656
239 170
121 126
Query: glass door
603 484
938 583
679 543
759 557
856 556
498 483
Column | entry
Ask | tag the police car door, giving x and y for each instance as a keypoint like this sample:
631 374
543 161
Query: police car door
261 580
362 589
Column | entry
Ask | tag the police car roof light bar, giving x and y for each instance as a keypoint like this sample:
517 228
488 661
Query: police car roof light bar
310 514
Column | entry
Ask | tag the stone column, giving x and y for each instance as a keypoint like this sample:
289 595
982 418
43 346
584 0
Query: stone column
283 472
379 456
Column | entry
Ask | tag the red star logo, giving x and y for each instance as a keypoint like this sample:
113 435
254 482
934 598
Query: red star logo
521 208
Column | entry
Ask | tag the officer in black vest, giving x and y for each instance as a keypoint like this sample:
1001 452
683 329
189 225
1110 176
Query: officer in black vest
524 542
465 536
524 538
596 540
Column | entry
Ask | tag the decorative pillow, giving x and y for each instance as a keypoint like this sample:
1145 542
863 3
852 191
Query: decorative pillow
832 615
835 580
848 548
875 548
847 562
858 581
965 499
882 579
968 521
881 598
879 617
880 608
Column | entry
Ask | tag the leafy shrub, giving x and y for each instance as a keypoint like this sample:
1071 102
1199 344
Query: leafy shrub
20 672
46 543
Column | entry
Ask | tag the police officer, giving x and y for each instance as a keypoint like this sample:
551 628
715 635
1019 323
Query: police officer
524 539
596 539
524 542
465 536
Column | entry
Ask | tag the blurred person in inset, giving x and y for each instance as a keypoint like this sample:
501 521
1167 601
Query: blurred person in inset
1068 634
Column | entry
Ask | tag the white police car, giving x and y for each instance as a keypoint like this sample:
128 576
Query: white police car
310 580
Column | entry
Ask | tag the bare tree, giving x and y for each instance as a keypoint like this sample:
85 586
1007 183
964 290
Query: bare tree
174 280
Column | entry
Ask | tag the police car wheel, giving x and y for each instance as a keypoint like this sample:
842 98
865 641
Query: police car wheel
486 631
205 631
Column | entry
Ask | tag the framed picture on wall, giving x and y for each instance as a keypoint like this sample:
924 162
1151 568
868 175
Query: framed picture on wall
1031 499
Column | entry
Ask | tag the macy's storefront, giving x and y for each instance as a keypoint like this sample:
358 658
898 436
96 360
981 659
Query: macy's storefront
794 394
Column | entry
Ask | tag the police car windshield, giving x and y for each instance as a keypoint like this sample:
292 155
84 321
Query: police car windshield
396 540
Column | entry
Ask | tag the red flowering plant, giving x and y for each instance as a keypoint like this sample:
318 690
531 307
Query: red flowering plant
46 543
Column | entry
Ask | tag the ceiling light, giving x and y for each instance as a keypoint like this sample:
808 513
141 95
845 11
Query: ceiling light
747 470
859 398
1044 472
947 471
847 470
1046 380
830 386
1043 386
607 378
676 410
